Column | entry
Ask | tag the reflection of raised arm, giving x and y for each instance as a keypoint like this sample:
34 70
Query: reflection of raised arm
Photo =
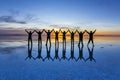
26 31
87 31
94 31
89 49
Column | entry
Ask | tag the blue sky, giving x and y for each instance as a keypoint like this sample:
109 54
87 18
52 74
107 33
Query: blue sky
87 14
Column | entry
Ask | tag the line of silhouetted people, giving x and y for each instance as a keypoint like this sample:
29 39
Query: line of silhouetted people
57 56
48 49
72 33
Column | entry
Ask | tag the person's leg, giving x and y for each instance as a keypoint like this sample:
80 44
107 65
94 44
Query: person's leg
46 41
92 43
28 42
55 42
65 42
31 43
40 42
82 43
50 41
79 43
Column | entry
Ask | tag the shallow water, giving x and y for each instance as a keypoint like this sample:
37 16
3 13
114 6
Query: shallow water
19 63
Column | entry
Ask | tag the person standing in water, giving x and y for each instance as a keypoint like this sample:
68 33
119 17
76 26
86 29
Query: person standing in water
81 34
64 36
29 36
39 37
56 37
91 33
48 36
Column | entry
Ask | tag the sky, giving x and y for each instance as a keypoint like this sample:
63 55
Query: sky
103 15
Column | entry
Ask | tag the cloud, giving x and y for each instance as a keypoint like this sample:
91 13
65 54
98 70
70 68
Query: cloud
10 19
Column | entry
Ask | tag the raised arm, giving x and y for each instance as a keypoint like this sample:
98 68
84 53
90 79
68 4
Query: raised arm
26 31
84 31
68 31
52 30
44 30
60 30
94 31
33 31
75 31
36 31
87 31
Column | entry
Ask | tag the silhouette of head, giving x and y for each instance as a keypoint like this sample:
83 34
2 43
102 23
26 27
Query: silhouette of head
80 32
90 31
48 30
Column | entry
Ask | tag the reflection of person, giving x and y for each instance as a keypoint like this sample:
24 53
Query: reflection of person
64 52
91 36
29 36
39 36
72 52
80 53
48 53
91 54
39 56
48 36
29 53
80 37
56 52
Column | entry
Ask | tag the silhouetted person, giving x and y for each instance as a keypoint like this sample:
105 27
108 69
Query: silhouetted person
72 52
56 52
91 58
29 36
72 33
29 53
64 36
48 53
39 56
91 36
80 53
80 37
48 36
56 37
39 36
64 52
